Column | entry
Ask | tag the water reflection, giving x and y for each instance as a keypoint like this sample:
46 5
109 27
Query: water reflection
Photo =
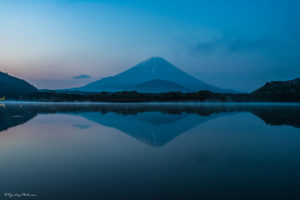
14 115
105 151
153 128
152 124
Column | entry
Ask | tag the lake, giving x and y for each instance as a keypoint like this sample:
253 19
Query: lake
150 151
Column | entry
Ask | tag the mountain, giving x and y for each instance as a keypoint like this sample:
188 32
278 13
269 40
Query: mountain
279 91
149 70
12 87
157 85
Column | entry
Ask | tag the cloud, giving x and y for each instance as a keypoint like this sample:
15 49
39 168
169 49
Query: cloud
81 126
206 47
231 45
242 44
82 76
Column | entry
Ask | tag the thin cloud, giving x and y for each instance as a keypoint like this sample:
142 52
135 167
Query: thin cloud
242 44
81 126
82 76
231 45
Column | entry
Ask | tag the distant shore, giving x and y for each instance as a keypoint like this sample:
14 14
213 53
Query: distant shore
183 103
203 96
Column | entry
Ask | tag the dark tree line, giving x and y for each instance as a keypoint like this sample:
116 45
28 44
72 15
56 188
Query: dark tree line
132 96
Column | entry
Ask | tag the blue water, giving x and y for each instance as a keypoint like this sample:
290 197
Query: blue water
150 151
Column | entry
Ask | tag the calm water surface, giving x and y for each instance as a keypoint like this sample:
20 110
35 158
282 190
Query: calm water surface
150 151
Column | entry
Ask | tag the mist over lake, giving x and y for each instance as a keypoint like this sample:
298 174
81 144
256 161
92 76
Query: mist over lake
150 151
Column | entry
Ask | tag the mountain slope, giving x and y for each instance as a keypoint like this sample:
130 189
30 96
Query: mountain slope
12 87
279 91
151 69
157 85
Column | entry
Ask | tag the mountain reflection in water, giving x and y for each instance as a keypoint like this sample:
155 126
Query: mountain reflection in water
152 124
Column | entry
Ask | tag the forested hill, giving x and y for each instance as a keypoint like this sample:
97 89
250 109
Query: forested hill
12 87
279 91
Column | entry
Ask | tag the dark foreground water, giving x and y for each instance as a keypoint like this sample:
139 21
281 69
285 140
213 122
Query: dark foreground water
150 151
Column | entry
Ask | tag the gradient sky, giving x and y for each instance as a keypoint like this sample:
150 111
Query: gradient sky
231 43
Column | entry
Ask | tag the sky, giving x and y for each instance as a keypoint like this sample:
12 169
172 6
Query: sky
233 44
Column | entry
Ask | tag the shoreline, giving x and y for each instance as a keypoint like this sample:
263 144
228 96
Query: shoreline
152 103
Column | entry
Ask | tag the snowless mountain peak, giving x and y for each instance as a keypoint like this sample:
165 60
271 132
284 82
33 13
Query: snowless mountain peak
155 60
153 64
